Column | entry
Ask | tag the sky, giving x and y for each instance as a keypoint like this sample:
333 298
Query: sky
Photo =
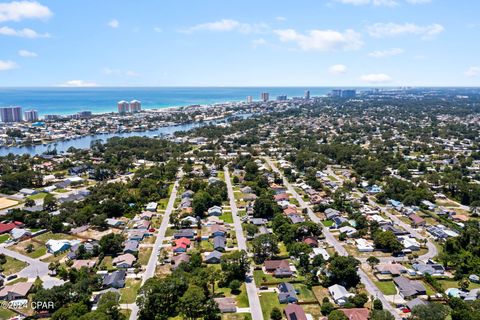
84 43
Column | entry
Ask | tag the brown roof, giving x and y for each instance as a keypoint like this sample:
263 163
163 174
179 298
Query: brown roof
275 264
294 312
78 264
356 313
21 289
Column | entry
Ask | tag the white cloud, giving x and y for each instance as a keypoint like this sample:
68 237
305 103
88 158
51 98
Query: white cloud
23 33
27 54
384 30
337 69
7 65
157 29
114 23
118 72
322 40
19 10
376 78
378 3
258 42
386 53
132 74
78 84
280 18
226 25
472 71
419 1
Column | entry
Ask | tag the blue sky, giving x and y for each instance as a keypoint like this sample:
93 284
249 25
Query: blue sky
240 43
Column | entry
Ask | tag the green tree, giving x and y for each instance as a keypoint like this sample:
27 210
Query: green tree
381 315
431 311
276 314
337 315
264 247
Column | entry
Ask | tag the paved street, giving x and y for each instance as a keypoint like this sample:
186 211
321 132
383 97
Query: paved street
252 292
35 268
369 285
152 262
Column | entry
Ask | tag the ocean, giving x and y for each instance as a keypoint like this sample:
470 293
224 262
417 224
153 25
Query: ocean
64 101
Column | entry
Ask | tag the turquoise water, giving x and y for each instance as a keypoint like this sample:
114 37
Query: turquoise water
101 100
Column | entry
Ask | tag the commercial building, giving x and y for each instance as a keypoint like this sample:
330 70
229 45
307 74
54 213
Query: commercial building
31 115
11 114
135 106
249 99
282 98
123 106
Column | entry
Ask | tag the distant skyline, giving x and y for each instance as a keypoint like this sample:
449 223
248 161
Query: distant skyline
215 43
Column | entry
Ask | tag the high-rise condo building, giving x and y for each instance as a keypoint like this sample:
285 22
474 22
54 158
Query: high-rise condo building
307 95
135 106
249 99
123 107
265 96
31 115
11 114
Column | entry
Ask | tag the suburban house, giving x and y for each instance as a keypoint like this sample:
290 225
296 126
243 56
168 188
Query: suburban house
130 246
184 233
279 268
151 206
226 305
215 211
416 221
58 246
19 234
294 312
409 289
218 231
181 245
124 261
213 257
339 294
15 291
356 313
181 258
433 269
219 243
393 269
287 293
79 264
115 279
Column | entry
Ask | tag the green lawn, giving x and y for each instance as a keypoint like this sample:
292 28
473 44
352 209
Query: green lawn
129 293
61 190
387 287
144 255
38 196
106 263
327 223
6 314
236 316
4 237
206 246
261 277
38 252
12 266
283 250
450 283
305 294
54 236
227 217
268 301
